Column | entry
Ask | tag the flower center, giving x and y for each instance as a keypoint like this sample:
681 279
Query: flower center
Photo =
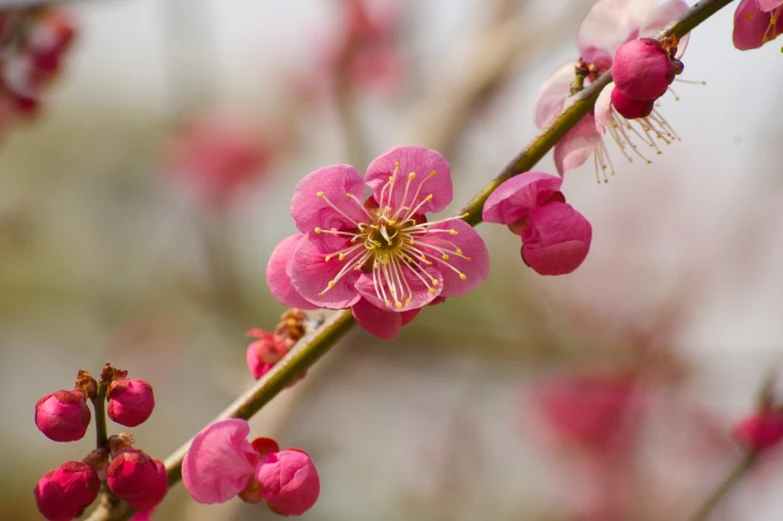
393 246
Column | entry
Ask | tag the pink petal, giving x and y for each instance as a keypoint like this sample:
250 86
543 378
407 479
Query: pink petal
220 462
580 142
608 25
277 274
311 273
517 197
603 109
750 25
557 239
335 182
768 5
553 94
662 16
422 163
419 293
379 322
472 245
408 316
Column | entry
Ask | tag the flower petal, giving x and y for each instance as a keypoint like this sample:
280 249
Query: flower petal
333 209
277 277
432 178
553 94
515 198
608 25
379 322
471 245
768 5
417 296
289 482
662 16
750 25
557 239
220 462
603 109
574 149
311 273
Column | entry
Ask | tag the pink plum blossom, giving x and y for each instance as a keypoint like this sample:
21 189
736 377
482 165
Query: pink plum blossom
50 504
63 415
289 482
760 431
608 25
130 402
642 69
555 237
757 22
380 257
222 463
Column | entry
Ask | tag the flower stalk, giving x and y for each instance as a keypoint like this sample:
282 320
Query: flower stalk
316 344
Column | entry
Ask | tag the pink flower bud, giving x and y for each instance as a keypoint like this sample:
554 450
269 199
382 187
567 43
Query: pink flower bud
289 482
642 69
266 351
155 494
62 416
130 402
76 483
761 431
131 473
556 240
49 503
630 108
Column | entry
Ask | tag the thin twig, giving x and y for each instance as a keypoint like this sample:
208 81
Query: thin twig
311 348
725 486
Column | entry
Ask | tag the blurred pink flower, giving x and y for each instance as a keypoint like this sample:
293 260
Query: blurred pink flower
608 25
757 22
592 411
760 431
378 256
555 237
366 54
216 156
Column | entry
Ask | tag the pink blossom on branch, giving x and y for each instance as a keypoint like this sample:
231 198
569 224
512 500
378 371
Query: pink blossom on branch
222 463
555 237
608 25
378 256
757 22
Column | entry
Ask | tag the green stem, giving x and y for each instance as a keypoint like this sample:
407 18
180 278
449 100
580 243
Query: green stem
99 406
311 348
725 486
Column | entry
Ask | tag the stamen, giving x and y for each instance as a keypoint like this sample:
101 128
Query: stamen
349 265
323 196
359 203
416 195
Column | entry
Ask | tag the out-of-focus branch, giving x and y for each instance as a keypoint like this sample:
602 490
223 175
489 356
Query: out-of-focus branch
318 343
744 465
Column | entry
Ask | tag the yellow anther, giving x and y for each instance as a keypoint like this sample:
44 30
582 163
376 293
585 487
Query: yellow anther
396 164
349 194
444 257
320 294
319 194
356 268
433 173
331 283
326 259
412 175
432 291
398 304
458 251
388 303
341 256
435 282
467 259
462 276
429 197
317 230
392 222
452 232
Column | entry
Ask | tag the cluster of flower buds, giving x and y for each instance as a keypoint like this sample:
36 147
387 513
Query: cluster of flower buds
270 347
128 472
222 464
763 429
555 237
33 42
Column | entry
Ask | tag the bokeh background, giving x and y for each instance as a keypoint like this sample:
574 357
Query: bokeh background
605 395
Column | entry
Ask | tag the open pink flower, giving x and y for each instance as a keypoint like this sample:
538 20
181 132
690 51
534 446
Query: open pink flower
608 25
555 237
379 256
757 22
220 462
